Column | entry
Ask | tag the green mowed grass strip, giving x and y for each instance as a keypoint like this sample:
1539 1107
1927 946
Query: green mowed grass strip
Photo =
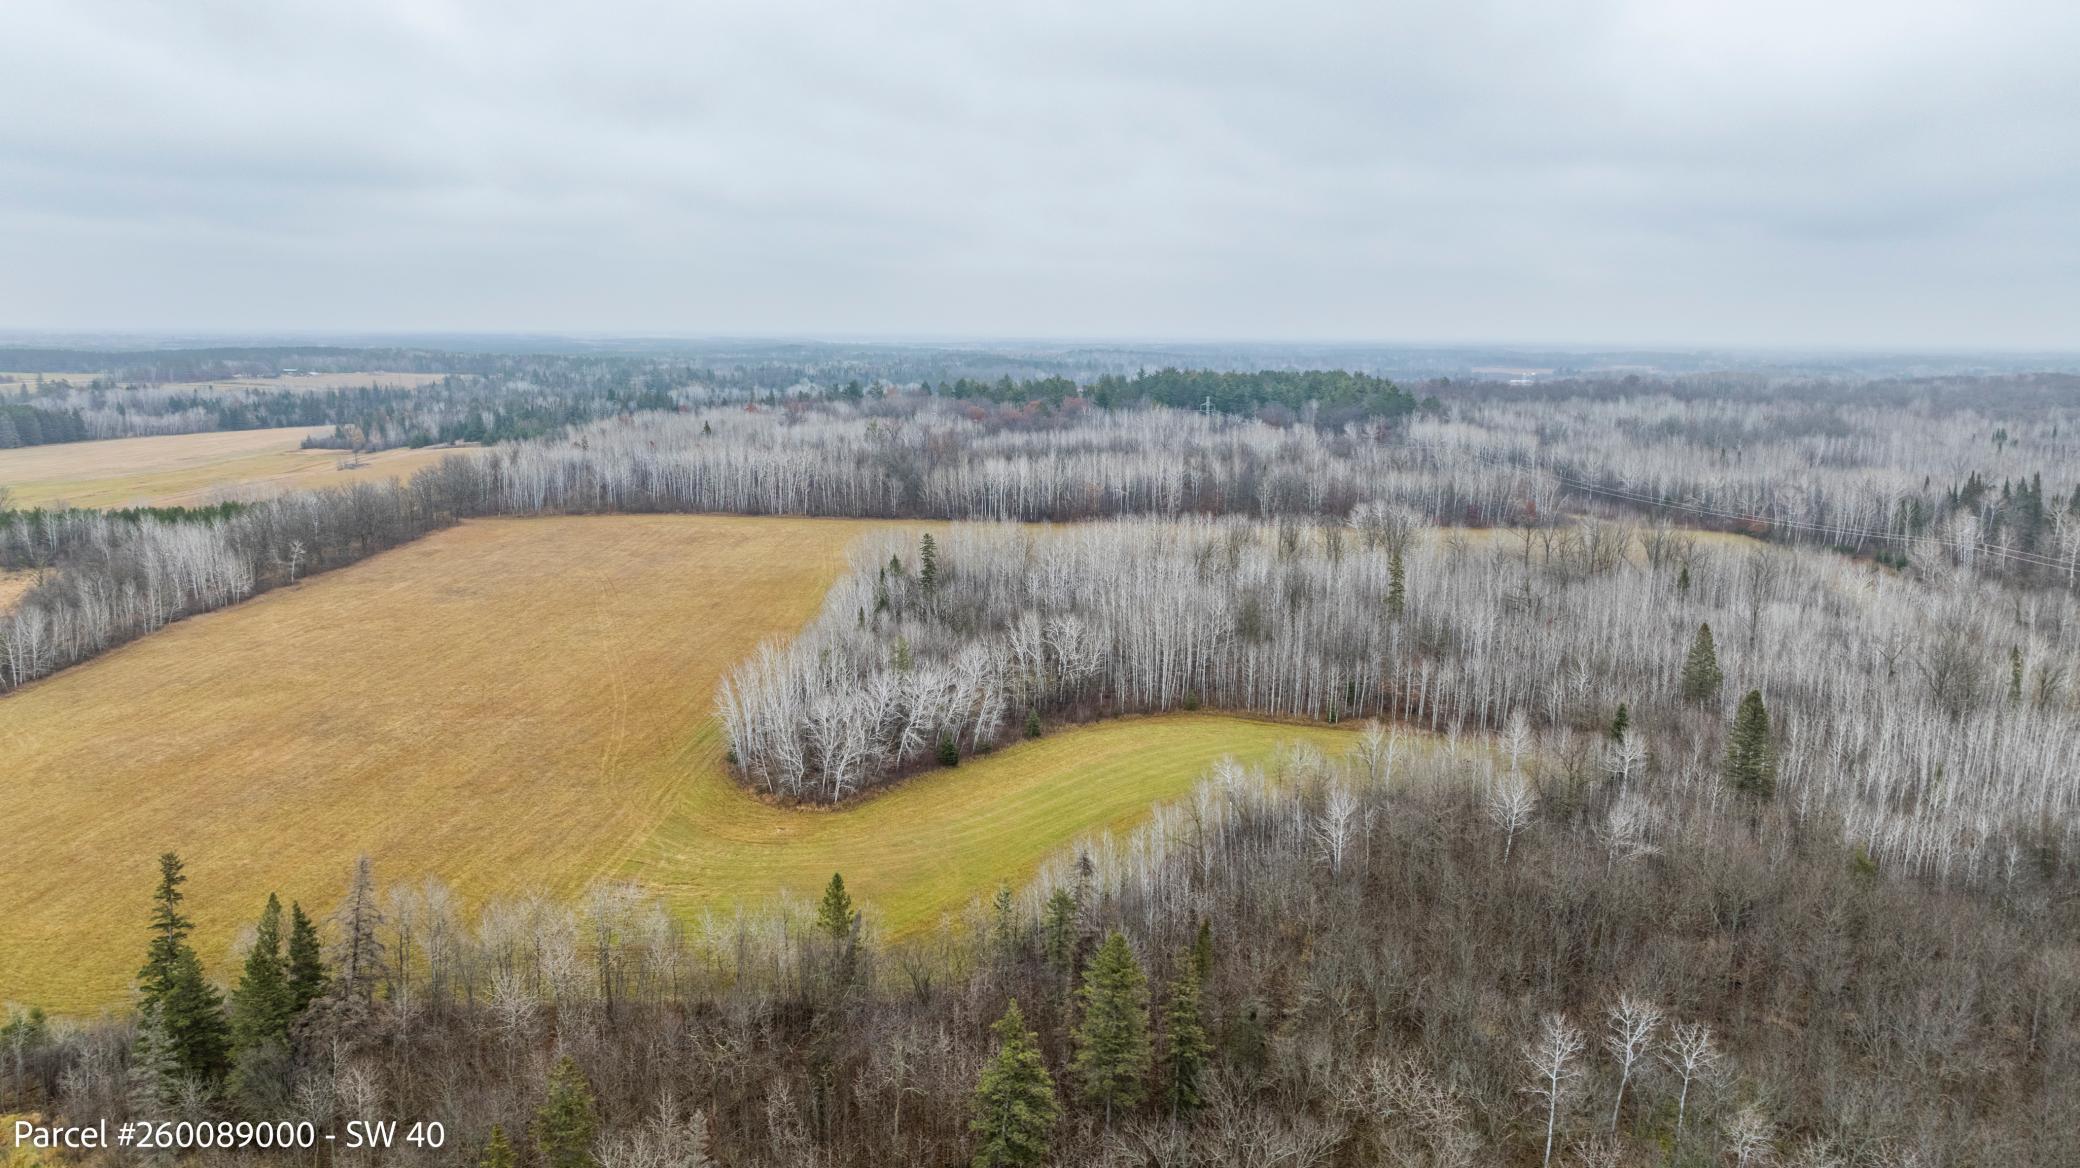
932 843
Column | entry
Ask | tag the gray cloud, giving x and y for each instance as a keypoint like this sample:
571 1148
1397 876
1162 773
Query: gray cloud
1613 170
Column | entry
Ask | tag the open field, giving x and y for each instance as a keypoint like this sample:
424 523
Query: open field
506 697
189 468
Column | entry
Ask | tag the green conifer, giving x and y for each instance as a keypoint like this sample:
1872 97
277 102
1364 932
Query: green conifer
306 960
1014 1109
263 1003
1397 585
498 1151
1749 768
1112 1045
834 915
1701 676
1621 723
1058 927
567 1123
1185 1048
928 564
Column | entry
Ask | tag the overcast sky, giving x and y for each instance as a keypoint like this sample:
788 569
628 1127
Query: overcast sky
1904 172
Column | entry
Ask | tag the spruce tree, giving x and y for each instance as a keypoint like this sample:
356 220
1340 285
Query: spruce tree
180 1011
1014 1108
1621 723
191 1015
1749 768
949 752
928 564
263 1003
1701 676
567 1123
170 932
1683 580
1202 952
306 961
498 1151
1112 1045
1397 585
1058 927
1185 1048
834 915
2015 674
1032 723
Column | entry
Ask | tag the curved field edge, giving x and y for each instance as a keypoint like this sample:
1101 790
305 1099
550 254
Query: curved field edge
507 704
928 845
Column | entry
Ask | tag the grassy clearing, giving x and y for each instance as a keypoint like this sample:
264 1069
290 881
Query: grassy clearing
932 843
508 703
189 468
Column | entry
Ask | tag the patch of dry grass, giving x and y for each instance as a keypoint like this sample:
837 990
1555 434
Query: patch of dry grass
190 469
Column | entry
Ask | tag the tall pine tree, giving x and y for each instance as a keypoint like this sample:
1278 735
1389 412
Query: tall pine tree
1701 676
1014 1108
1112 1045
1749 768
179 1009
928 564
306 961
263 1003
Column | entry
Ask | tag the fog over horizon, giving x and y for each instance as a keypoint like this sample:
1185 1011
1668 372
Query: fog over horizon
1618 172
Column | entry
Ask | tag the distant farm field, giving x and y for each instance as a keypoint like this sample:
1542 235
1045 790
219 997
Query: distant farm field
507 704
190 468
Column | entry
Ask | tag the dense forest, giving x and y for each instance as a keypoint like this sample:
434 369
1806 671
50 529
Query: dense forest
1368 959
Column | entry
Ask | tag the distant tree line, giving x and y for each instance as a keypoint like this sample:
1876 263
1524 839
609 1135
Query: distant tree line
30 426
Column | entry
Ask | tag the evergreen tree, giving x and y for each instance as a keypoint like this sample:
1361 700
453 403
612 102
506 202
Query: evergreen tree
928 564
834 915
169 934
1185 1048
1202 952
181 1015
1006 919
1701 676
1621 723
1058 927
1683 580
190 1013
1749 768
1112 1045
498 1151
1014 1108
306 961
263 1003
1032 723
1397 585
2015 674
567 1123
949 752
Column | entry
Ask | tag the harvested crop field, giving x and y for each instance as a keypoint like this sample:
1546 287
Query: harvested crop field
505 704
191 469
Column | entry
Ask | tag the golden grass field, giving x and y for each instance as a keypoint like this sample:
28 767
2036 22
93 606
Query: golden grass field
508 703
190 468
